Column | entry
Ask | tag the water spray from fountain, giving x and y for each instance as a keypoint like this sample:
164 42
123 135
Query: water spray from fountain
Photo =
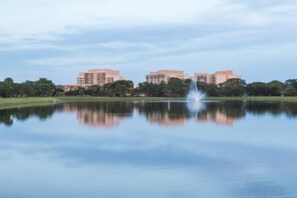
194 99
194 94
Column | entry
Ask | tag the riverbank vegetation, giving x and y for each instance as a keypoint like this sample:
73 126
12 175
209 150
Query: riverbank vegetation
173 88
6 103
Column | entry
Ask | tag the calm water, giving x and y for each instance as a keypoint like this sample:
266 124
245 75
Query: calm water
149 150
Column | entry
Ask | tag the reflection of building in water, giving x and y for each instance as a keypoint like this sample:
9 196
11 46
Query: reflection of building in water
69 108
98 118
164 113
166 119
110 114
95 117
217 117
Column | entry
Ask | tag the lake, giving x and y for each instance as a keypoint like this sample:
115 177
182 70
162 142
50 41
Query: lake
149 150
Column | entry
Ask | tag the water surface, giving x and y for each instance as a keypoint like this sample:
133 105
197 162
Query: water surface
149 149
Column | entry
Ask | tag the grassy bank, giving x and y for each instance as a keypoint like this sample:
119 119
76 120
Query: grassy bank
260 99
107 99
6 103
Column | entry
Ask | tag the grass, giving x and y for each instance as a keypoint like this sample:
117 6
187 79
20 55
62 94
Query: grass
6 103
106 99
260 99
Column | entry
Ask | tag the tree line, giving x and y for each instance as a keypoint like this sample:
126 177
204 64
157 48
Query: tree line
173 88
232 87
40 88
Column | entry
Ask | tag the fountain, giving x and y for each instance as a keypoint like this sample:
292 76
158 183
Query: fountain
194 98
194 94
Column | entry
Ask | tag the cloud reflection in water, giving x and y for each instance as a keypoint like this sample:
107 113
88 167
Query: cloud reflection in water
138 158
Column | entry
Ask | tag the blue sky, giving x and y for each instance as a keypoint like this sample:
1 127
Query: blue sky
58 39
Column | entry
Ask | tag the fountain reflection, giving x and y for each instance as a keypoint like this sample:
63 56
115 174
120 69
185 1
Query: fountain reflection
110 114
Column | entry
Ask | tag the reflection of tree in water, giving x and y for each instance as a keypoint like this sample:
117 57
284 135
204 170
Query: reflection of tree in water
6 117
109 114
290 109
114 108
273 108
22 114
223 113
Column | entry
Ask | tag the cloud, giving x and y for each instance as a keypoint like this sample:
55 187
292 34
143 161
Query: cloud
37 17
23 18
42 36
45 21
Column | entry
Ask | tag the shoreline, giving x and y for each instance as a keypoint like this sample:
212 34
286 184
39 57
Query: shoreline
256 98
9 103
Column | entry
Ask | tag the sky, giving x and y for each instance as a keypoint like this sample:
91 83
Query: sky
57 39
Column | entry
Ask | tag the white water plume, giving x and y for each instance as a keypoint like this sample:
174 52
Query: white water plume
194 94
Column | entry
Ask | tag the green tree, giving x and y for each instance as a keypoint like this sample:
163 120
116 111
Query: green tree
290 88
257 89
9 81
208 89
108 90
43 87
93 90
80 91
233 87
24 89
176 88
122 87
58 91
7 88
274 88
151 90
290 91
291 82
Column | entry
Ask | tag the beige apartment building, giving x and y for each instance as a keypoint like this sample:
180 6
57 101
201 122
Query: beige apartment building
216 78
98 77
164 76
